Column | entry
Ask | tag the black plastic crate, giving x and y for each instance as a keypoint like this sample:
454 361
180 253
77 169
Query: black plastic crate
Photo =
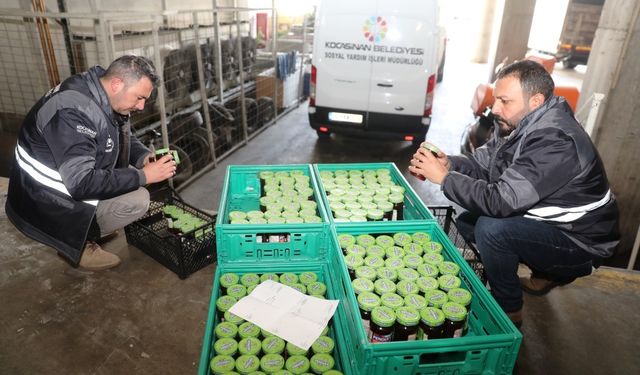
445 217
183 254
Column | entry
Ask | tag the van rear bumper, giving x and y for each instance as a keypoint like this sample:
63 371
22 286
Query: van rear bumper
374 125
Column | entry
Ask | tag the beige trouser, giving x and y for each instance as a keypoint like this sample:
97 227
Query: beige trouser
115 213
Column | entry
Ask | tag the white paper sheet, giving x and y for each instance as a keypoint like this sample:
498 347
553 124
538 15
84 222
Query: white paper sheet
285 312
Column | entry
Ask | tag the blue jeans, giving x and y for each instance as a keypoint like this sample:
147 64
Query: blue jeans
503 243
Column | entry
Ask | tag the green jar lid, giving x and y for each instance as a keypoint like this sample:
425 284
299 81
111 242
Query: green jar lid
271 363
382 286
448 282
357 250
352 206
365 240
365 272
460 296
299 287
428 269
323 345
394 263
405 287
273 191
342 213
413 248
297 172
288 278
416 301
312 219
280 174
237 291
268 214
332 372
249 279
266 200
434 247
385 206
391 300
308 277
449 268
357 219
396 198
287 181
383 191
421 237
316 289
321 363
273 345
387 273
384 241
269 276
407 316
237 215
342 220
325 331
307 212
233 318
432 316
375 214
291 206
169 209
348 200
383 316
355 172
226 346
454 311
305 193
255 213
345 240
376 250
374 261
413 261
276 220
395 252
275 207
337 192
368 191
353 261
250 289
426 283
297 364
367 301
235 222
326 174
397 189
402 238
436 298
247 363
433 258
266 333
359 212
266 174
364 198
224 303
408 274
380 199
248 329
294 220
226 330
335 202
289 214
258 220
228 279
309 205
249 345
222 364
362 285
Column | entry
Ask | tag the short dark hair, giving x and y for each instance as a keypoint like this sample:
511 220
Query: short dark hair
131 68
533 78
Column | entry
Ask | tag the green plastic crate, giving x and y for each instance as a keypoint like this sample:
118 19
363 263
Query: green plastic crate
414 207
336 289
243 243
490 346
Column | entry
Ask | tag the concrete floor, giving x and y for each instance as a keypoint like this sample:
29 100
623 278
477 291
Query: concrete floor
140 318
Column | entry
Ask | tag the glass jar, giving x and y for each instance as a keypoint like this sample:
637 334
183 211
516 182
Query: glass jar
412 261
273 345
387 209
362 285
226 346
428 270
357 250
384 241
405 287
237 291
413 249
321 363
226 330
269 276
246 364
297 364
249 279
401 239
408 274
431 324
426 284
387 273
365 272
367 301
416 301
352 262
398 205
448 282
248 329
406 328
307 278
288 278
365 240
375 214
391 300
460 296
394 263
433 258
250 345
448 268
382 286
293 351
383 320
433 247
271 363
436 298
226 280
374 261
395 252
323 345
375 250
224 303
230 317
455 322
222 364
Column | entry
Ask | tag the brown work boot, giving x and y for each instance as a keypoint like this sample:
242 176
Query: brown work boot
538 285
94 258
515 317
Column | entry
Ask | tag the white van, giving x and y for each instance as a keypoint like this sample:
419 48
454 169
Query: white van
374 68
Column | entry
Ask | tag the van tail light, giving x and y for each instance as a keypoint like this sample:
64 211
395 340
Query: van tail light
312 87
428 101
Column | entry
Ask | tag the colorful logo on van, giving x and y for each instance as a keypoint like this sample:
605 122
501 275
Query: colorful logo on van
375 29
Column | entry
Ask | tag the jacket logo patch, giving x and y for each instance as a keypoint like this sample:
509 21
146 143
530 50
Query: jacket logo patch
109 147
84 130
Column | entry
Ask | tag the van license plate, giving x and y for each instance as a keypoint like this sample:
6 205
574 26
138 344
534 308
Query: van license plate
345 117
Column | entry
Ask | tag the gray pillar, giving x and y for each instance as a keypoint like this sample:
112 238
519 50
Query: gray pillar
511 32
483 42
613 70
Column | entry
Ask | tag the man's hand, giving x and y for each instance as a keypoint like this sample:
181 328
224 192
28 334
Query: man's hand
148 159
160 169
433 167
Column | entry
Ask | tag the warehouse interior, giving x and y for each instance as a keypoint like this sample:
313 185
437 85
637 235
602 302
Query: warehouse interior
140 317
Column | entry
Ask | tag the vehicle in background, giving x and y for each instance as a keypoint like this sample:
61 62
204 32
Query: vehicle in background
578 30
375 66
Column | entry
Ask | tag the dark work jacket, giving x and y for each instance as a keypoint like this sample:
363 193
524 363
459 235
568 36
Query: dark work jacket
547 169
67 161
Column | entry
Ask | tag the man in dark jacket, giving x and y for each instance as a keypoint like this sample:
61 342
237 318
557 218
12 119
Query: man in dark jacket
536 193
79 173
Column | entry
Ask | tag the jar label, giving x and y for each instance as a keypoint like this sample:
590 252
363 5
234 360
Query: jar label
378 337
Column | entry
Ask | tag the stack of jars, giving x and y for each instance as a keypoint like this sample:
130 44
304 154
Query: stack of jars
243 347
286 198
180 221
405 289
363 195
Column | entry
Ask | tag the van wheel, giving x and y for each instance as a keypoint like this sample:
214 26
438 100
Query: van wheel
323 135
